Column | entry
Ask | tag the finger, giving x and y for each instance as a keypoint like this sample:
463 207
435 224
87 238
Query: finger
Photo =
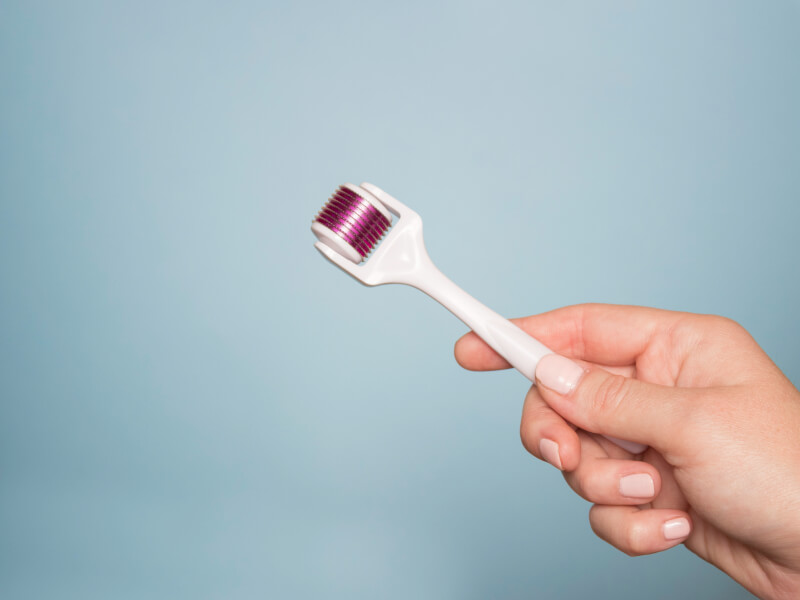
600 333
636 531
546 435
606 403
603 480
670 495
472 353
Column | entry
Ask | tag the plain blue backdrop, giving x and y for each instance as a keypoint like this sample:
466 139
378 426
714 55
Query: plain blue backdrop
196 405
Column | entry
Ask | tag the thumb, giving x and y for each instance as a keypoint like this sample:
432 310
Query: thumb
603 402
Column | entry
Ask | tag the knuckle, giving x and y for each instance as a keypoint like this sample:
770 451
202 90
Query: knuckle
530 427
577 484
722 325
528 437
610 394
727 323
572 482
590 485
594 521
636 539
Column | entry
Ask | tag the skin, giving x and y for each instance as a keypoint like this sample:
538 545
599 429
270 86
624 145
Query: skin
722 422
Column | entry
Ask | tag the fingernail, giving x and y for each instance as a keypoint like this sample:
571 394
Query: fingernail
549 452
558 373
676 528
639 485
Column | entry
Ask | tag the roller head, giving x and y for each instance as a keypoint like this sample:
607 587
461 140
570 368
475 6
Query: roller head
352 222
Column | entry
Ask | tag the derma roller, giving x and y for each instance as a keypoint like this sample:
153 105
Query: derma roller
349 228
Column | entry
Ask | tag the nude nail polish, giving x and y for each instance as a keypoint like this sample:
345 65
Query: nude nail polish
549 451
676 529
558 373
638 485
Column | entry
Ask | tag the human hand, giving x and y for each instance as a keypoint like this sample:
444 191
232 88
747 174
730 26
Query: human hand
722 473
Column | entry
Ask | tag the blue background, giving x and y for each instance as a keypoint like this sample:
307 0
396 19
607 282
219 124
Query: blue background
196 405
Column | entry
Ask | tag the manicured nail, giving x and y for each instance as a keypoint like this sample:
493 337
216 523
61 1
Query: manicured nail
638 485
558 373
676 529
549 451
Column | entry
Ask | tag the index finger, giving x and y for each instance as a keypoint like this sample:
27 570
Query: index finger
606 334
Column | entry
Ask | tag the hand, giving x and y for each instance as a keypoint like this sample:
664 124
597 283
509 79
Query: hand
722 474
